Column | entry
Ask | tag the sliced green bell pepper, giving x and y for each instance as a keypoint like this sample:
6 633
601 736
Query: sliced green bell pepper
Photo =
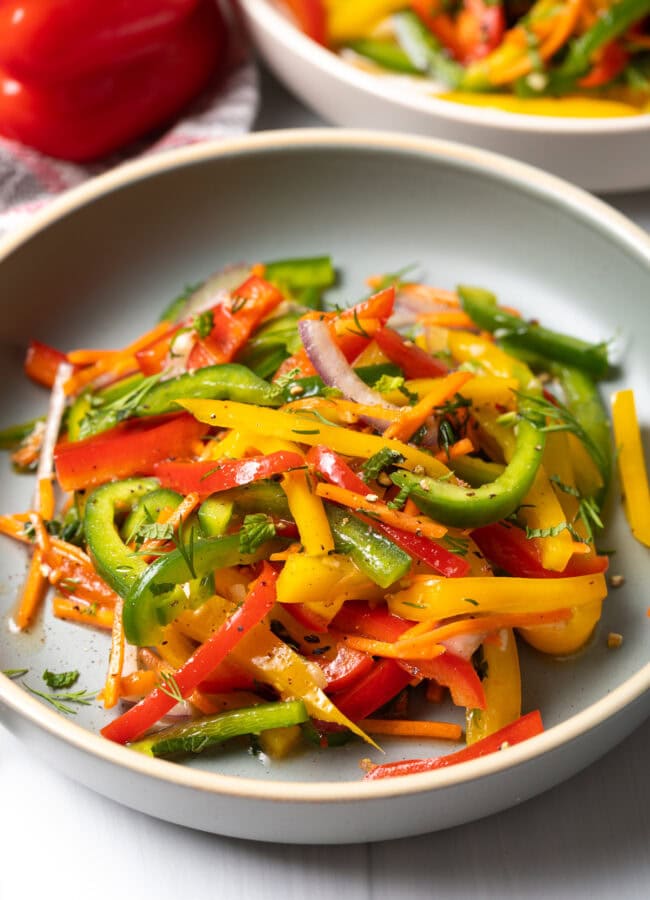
377 557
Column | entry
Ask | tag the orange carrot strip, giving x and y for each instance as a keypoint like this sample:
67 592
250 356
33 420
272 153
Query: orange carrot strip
460 448
73 611
413 417
397 649
113 685
173 517
33 591
46 501
410 509
379 510
445 731
42 538
138 683
88 357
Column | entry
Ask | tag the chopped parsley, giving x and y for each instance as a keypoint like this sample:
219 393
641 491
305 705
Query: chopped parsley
59 680
258 528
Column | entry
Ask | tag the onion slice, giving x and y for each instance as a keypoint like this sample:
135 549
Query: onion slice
53 421
335 370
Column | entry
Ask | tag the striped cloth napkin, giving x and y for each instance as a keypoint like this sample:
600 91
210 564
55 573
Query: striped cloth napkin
29 180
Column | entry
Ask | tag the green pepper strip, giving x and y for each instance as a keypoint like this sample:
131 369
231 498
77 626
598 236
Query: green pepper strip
305 272
117 565
13 436
471 507
157 596
377 557
196 736
229 381
424 50
481 306
386 54
148 510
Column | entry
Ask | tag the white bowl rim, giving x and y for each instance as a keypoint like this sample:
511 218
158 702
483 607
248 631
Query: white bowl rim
528 179
280 27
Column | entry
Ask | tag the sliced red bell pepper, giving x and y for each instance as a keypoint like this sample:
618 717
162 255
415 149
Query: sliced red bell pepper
352 330
472 33
336 471
41 363
306 617
508 548
610 62
62 39
87 117
131 448
347 667
311 17
383 682
234 321
412 360
521 730
209 476
449 669
138 719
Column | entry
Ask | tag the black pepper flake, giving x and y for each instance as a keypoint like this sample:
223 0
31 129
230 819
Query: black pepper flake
317 651
312 639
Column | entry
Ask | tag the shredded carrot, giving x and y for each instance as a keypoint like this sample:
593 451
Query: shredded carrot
445 731
42 538
173 517
429 644
87 614
33 591
410 509
460 448
138 683
413 417
378 510
112 685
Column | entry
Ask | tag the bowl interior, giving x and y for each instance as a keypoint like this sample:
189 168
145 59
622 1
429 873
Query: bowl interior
101 274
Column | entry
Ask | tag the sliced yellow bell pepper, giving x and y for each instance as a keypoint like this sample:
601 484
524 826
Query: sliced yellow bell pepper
564 107
502 687
466 347
563 638
541 509
631 465
429 597
324 580
308 513
348 21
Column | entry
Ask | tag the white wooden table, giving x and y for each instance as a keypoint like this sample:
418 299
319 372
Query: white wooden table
588 838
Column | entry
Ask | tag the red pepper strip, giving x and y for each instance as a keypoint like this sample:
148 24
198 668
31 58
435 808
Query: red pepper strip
610 62
311 17
412 360
347 667
306 617
371 315
42 362
449 669
336 471
521 730
148 711
508 548
209 476
63 39
476 30
131 448
383 682
88 117
234 320
151 359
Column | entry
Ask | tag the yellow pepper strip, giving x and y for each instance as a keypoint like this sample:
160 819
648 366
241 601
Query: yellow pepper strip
308 513
491 389
294 427
429 645
502 687
466 347
430 597
372 355
631 465
381 512
348 21
445 731
557 463
562 638
541 509
341 412
175 648
234 445
273 662
563 107
413 417
278 743
585 471
326 581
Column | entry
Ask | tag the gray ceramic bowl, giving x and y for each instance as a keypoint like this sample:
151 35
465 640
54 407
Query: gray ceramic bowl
98 266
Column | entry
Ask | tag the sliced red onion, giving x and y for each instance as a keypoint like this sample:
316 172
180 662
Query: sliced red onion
335 370
53 421
215 290
464 645
421 302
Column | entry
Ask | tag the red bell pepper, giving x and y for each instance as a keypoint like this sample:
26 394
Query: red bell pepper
234 321
449 669
412 360
131 448
472 33
610 62
336 471
347 667
209 476
311 17
383 682
521 730
41 363
258 602
306 617
508 548
62 39
92 115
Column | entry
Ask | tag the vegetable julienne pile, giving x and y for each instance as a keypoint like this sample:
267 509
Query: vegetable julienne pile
293 521
570 58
